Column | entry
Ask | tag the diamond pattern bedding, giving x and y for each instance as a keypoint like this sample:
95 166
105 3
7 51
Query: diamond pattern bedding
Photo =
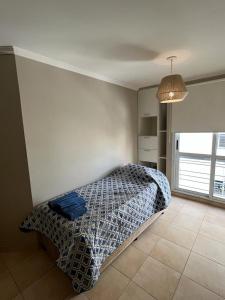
116 206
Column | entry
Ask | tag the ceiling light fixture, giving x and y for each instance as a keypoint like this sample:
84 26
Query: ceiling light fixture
172 88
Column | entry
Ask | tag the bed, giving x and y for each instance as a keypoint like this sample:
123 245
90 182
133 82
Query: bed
119 207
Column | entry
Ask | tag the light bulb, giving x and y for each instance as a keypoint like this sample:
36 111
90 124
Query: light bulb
171 94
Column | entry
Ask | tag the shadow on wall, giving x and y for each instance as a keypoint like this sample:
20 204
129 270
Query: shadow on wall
16 201
88 127
118 123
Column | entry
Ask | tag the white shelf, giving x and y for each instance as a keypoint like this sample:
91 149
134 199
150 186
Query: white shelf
152 130
146 136
150 155
147 103
148 142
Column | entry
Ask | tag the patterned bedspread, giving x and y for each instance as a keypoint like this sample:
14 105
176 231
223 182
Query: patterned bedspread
116 206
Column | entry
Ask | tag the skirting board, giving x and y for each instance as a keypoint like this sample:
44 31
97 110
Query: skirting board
53 251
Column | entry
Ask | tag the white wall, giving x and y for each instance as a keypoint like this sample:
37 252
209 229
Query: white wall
77 129
202 110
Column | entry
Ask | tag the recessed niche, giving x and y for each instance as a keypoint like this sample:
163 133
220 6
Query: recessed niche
149 164
162 165
162 142
163 117
148 126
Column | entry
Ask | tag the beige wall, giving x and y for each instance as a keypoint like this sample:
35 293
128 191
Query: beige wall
15 202
77 128
202 110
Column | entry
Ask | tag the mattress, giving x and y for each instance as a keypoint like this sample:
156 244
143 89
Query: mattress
116 206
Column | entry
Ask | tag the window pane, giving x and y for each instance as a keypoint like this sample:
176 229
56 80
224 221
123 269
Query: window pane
200 143
219 182
220 150
194 174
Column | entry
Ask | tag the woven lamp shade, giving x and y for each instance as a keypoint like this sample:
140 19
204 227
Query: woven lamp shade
172 89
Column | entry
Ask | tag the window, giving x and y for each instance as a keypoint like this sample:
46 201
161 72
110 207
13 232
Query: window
198 143
200 164
221 144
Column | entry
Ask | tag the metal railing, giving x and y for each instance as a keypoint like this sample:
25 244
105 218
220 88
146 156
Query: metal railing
219 182
194 174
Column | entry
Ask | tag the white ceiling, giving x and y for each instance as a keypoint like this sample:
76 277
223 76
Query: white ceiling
125 41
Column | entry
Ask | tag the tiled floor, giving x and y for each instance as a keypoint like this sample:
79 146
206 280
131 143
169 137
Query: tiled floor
181 256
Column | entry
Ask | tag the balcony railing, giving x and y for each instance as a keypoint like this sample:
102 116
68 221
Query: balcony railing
194 174
200 164
219 182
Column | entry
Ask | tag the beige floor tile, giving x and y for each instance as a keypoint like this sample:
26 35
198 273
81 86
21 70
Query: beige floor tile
157 279
31 269
213 231
180 236
54 285
210 248
169 215
134 292
159 227
146 241
8 288
10 259
196 204
130 261
189 290
207 273
189 222
217 220
110 285
170 254
175 206
215 211
178 200
194 211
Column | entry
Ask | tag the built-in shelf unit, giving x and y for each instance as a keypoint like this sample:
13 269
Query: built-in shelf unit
152 130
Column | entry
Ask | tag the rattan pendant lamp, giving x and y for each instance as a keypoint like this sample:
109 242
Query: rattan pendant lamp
172 88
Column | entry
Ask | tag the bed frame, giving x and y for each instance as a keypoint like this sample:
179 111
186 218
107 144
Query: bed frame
53 251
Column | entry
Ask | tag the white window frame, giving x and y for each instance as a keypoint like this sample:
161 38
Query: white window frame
213 157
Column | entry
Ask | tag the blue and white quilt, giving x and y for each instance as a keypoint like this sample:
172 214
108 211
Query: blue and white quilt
116 206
